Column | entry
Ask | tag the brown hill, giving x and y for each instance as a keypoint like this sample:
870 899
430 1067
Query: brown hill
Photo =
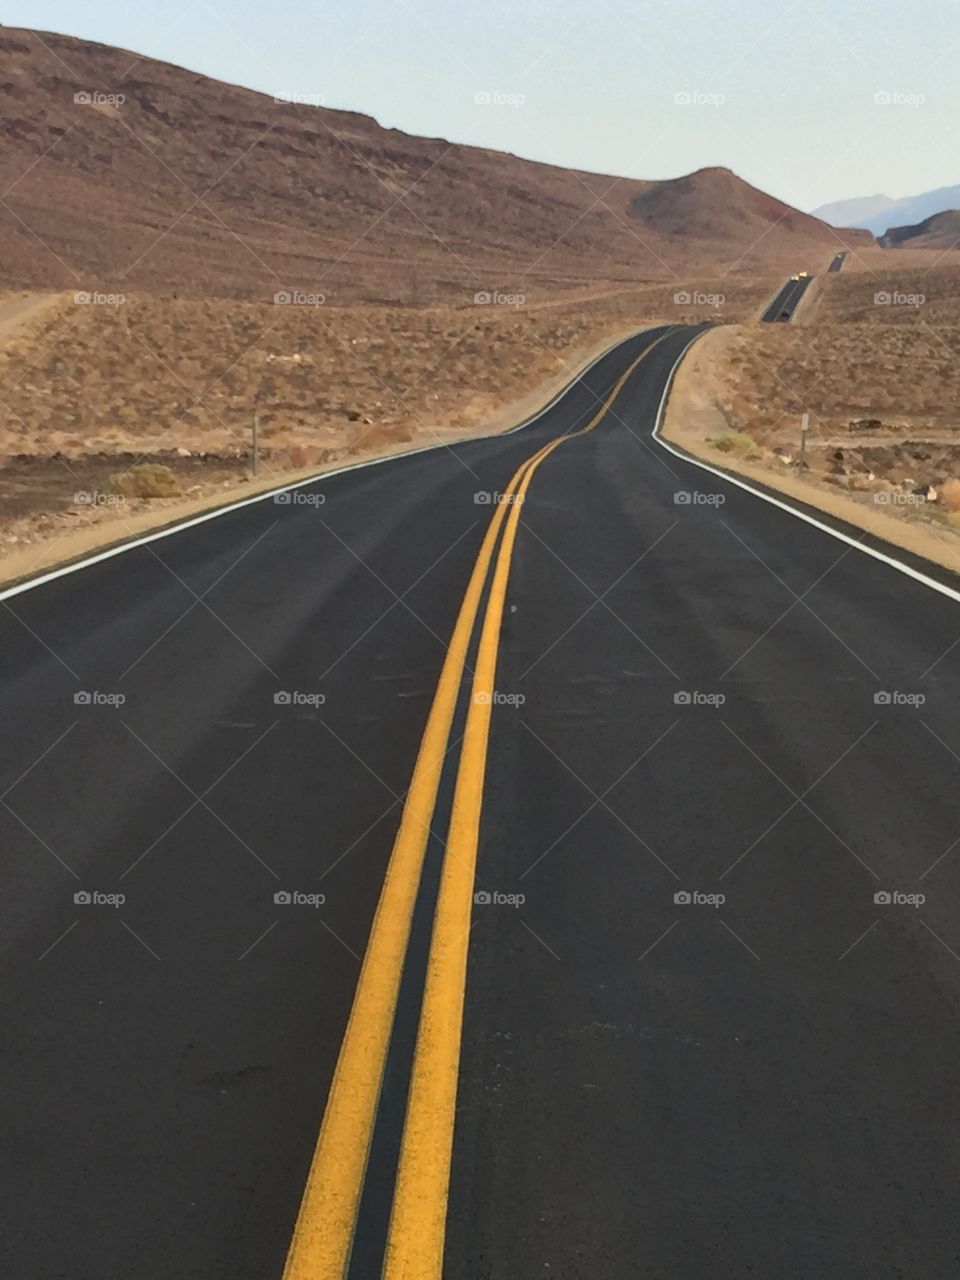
120 172
715 205
941 231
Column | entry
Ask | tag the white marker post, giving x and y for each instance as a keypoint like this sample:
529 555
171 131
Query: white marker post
804 428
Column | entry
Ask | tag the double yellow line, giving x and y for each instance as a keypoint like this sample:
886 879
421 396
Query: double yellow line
323 1236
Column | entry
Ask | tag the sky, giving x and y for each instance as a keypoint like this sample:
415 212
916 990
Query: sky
812 100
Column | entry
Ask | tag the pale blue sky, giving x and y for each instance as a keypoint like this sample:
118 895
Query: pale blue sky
599 81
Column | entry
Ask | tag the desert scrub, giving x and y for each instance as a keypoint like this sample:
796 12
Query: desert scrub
148 480
738 442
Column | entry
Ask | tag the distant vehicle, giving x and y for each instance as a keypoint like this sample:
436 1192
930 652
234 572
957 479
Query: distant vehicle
785 314
794 277
804 275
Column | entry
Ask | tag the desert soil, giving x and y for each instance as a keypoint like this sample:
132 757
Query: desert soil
699 414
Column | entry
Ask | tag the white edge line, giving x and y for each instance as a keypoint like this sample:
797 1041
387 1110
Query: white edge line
32 583
905 569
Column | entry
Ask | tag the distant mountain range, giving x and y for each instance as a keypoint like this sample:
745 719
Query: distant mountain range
879 213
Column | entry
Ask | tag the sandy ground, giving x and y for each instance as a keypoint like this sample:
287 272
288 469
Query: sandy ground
18 308
695 418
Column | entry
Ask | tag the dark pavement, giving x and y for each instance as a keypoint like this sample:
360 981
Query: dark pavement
782 308
648 1087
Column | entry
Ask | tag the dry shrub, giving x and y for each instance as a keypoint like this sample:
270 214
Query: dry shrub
950 495
148 480
737 442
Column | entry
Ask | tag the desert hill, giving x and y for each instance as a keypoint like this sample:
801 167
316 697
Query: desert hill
714 205
121 172
941 231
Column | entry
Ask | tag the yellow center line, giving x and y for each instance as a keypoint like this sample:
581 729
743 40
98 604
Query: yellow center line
323 1235
418 1221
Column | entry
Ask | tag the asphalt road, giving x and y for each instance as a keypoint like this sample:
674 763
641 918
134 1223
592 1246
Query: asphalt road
782 308
686 698
839 260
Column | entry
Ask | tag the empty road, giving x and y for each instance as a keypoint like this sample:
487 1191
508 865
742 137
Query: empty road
664 977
